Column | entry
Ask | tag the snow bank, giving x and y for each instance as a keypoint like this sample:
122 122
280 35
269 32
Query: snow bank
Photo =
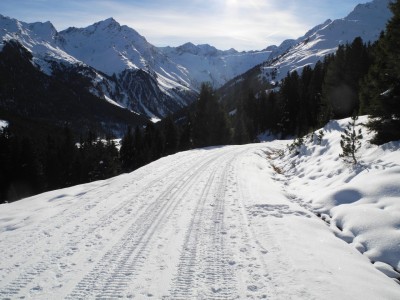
360 202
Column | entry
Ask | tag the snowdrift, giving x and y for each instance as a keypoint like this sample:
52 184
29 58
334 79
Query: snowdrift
361 203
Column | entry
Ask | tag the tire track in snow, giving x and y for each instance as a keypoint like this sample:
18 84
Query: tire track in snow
187 264
49 227
110 277
206 229
35 269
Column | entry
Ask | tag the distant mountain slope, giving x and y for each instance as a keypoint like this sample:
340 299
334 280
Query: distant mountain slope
125 68
205 63
61 98
366 21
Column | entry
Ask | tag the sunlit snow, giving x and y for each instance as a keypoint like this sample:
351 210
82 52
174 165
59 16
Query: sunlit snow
229 222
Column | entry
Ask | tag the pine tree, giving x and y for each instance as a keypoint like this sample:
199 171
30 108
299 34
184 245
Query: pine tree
314 94
240 136
341 84
381 88
350 141
171 136
242 123
66 155
290 97
210 122
5 162
185 138
127 153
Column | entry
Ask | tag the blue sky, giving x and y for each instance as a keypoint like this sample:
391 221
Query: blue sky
239 24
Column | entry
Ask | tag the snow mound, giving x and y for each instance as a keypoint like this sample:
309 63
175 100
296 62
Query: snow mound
360 202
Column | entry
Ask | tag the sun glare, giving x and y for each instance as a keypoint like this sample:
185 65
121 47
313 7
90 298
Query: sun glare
230 3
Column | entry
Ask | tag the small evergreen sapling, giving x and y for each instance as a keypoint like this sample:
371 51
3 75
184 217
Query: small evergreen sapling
350 141
320 136
295 146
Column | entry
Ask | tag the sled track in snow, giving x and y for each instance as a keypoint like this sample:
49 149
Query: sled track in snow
119 266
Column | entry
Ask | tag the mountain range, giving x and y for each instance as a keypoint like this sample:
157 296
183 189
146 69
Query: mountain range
122 68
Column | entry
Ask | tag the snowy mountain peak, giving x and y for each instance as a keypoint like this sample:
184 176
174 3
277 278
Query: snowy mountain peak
378 8
106 29
107 46
45 30
188 48
109 24
41 39
9 25
366 21
201 50
315 29
206 49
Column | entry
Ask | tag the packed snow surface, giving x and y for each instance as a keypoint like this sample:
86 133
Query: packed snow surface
214 223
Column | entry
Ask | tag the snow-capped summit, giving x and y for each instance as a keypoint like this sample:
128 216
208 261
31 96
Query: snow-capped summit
46 30
12 28
205 63
41 39
109 24
202 49
108 46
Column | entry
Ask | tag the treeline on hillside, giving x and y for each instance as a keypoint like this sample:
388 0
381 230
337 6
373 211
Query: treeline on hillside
207 125
30 166
33 163
306 101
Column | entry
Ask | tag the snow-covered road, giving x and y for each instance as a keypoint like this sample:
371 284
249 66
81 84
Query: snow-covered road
204 224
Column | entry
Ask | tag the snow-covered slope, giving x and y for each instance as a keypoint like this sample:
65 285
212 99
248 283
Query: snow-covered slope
111 48
215 223
40 38
205 63
361 203
366 21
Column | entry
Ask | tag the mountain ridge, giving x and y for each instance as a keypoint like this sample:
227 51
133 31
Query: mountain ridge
109 51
